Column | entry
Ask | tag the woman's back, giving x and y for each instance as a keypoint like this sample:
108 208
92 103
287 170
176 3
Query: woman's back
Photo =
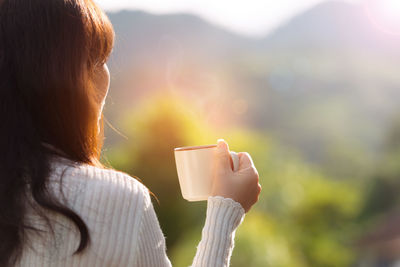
111 204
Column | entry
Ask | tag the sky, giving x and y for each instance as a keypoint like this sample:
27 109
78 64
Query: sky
249 17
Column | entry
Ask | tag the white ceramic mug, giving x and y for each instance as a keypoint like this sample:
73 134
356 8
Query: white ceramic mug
195 170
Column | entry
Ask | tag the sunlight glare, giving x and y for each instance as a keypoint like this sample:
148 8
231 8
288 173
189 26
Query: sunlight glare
385 15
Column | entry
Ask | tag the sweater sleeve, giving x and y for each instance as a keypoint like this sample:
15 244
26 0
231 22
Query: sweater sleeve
224 215
215 248
151 249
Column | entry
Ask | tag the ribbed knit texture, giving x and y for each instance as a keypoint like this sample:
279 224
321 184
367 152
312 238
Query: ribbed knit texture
123 226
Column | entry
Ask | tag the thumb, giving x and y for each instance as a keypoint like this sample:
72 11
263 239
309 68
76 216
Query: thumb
222 154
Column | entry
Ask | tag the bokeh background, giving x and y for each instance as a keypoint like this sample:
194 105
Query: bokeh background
314 98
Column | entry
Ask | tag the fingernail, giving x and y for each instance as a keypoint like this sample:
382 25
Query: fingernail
221 144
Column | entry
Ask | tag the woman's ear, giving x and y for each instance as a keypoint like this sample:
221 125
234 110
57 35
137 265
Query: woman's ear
101 84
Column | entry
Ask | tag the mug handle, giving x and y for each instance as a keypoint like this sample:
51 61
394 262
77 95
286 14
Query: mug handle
235 161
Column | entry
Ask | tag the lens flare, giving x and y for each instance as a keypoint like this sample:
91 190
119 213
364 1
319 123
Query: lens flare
385 15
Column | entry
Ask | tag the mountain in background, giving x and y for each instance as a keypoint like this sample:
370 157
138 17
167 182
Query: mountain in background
334 25
325 83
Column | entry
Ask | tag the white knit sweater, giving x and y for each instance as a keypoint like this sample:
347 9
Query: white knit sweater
123 225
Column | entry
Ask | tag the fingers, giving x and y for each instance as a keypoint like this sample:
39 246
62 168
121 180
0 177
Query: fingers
223 156
245 160
224 159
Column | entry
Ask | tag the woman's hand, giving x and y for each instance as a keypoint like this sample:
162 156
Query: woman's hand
242 185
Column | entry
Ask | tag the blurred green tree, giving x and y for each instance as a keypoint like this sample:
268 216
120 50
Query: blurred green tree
382 192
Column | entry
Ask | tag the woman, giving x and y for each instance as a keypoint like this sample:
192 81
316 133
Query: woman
58 205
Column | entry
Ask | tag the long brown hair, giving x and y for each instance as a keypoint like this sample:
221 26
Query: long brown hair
49 52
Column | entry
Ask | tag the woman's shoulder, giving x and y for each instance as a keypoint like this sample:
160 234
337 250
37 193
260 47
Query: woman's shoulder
97 181
111 203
